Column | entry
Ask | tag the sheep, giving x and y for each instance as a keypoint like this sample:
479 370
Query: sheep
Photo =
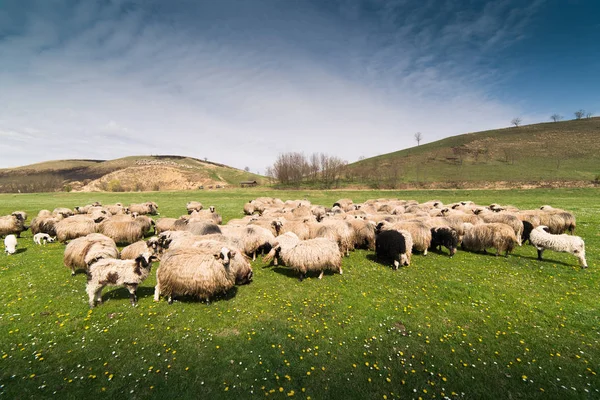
202 227
395 245
364 233
10 244
345 204
44 224
110 272
312 255
74 227
62 212
338 231
117 209
419 231
254 238
83 251
148 207
287 240
194 272
542 239
12 224
497 235
299 227
164 224
42 238
141 246
192 206
501 217
239 262
253 206
444 236
209 215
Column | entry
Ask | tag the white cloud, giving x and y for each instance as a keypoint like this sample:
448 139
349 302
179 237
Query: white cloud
238 87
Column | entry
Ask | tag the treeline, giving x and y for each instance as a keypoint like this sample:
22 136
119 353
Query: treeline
296 169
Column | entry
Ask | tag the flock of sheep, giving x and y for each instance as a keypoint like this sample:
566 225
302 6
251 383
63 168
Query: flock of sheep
201 257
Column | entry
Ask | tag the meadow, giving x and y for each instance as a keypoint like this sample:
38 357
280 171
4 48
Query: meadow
475 326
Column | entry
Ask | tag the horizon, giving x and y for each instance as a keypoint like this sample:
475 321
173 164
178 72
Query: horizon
241 82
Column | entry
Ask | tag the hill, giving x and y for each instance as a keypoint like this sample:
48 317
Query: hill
135 173
554 153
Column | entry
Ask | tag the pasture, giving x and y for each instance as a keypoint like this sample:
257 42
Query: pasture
475 326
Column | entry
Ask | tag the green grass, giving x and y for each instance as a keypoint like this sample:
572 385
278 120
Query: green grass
474 326
557 151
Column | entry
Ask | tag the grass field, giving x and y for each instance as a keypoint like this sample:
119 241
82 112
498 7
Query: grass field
475 326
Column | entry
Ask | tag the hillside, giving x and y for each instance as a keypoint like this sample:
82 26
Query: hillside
135 173
538 154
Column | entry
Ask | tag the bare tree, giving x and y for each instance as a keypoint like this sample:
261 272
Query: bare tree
516 121
418 138
589 115
556 117
247 169
579 114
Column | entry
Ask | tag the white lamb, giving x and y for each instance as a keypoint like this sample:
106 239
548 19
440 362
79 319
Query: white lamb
10 244
542 240
42 238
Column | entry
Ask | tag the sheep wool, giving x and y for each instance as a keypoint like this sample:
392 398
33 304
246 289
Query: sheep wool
10 244
542 239
83 251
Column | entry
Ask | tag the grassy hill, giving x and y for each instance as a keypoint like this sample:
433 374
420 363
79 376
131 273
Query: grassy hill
538 153
135 173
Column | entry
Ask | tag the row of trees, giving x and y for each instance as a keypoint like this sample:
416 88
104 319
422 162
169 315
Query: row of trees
579 114
294 168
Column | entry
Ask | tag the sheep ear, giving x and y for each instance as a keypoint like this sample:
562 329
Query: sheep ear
217 256
232 253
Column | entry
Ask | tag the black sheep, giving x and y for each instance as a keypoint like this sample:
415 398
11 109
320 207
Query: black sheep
392 245
444 236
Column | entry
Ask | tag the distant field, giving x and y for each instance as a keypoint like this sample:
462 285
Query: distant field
474 326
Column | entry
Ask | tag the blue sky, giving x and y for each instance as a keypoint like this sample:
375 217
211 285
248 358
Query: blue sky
240 81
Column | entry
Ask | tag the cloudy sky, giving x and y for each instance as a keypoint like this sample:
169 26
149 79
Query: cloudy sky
240 81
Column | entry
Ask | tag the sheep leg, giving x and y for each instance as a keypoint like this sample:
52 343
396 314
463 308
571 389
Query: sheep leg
254 256
425 252
132 293
157 292
91 291
396 265
170 299
540 254
321 275
99 295
341 272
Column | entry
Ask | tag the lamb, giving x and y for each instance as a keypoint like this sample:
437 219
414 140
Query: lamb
395 245
194 272
110 272
542 239
496 235
12 224
135 249
42 238
312 255
10 244
192 206
444 236
83 251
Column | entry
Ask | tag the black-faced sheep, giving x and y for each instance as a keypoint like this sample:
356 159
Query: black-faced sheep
10 244
419 231
194 272
83 251
542 239
499 236
446 237
394 245
111 272
12 224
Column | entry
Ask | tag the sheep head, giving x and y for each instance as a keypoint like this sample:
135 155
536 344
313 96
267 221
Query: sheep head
225 256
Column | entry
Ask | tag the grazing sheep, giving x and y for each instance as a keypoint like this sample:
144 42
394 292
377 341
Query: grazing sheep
238 263
135 249
499 236
202 227
117 209
395 245
83 251
192 206
122 231
254 238
504 218
209 215
364 233
43 238
62 212
312 255
286 241
345 204
75 227
10 244
44 224
254 206
110 272
419 231
542 239
444 236
148 207
194 272
12 224
338 231
299 227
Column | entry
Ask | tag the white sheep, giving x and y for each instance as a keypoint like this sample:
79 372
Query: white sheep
10 244
542 239
112 272
43 238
